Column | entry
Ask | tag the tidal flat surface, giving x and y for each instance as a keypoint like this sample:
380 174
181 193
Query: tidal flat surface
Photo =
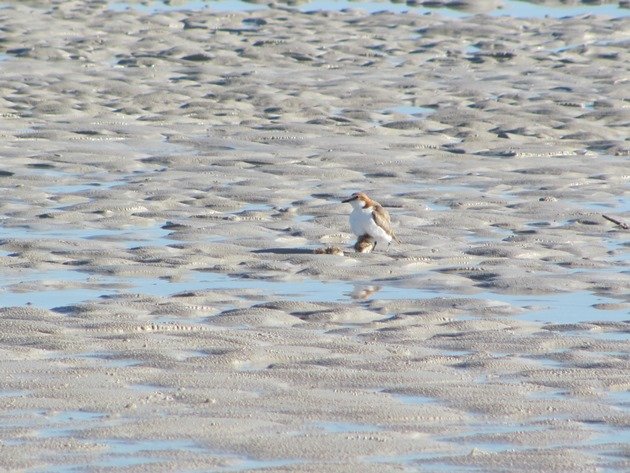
169 169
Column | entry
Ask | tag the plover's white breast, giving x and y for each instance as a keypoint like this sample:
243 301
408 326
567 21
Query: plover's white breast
362 222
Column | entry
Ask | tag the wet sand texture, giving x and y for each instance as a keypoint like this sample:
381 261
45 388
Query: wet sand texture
177 167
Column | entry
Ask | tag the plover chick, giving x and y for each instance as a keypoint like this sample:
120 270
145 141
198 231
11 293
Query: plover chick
368 217
364 244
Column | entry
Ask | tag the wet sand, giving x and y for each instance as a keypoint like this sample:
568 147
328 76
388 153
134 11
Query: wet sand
167 178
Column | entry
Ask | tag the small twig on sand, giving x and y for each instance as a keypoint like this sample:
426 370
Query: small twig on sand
623 225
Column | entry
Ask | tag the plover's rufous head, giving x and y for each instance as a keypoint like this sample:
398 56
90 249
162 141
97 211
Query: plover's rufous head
358 199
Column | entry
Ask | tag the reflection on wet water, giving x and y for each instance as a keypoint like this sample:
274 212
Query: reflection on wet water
57 288
363 292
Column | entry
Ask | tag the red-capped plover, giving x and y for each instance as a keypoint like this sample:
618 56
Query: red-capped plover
369 221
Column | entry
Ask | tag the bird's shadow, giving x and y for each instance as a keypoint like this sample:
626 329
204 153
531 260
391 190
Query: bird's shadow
285 251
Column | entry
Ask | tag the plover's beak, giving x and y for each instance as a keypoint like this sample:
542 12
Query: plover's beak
349 199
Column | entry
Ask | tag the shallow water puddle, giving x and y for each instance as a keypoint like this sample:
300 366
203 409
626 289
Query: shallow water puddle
619 246
49 299
491 437
255 208
528 9
51 424
103 359
514 8
414 399
411 110
563 308
495 438
68 422
615 205
302 218
345 427
430 461
552 308
79 188
606 434
126 453
56 296
151 388
12 393
127 446
128 237
601 335
620 399
247 464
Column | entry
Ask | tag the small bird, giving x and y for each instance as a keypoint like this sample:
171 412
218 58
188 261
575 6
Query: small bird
365 244
370 219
